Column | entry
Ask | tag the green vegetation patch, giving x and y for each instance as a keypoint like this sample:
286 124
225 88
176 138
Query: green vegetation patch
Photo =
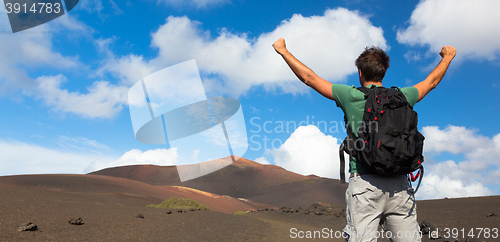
240 213
309 181
179 203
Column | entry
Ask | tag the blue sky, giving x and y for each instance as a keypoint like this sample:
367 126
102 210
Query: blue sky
64 84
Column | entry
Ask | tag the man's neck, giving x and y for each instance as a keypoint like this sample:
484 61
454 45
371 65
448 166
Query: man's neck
373 83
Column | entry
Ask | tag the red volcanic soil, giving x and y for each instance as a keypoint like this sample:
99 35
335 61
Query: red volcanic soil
122 191
244 178
244 169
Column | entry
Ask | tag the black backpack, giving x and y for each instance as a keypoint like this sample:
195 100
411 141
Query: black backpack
388 141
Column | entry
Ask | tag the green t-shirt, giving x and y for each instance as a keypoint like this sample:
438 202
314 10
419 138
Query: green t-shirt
352 102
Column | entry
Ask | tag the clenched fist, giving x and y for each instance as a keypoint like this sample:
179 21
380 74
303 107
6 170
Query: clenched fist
280 46
448 51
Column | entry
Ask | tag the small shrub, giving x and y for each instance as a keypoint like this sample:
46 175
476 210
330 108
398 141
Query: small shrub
309 181
180 203
240 213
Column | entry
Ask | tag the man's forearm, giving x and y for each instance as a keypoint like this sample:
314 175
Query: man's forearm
300 70
439 71
434 78
303 72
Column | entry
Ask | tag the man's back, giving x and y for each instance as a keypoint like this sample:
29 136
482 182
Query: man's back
352 102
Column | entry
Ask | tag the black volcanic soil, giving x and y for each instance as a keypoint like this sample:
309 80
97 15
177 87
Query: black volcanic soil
109 220
109 206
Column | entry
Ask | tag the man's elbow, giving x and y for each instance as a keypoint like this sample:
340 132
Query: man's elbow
434 85
309 80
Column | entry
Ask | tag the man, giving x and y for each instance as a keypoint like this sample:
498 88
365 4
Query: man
372 199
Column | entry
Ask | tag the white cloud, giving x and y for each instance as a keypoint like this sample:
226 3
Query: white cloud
82 143
195 3
480 167
481 153
129 69
30 48
115 7
69 22
453 139
262 160
103 100
161 157
90 6
22 158
328 44
469 26
308 151
439 185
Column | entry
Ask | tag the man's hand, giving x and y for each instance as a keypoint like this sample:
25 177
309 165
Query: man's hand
448 51
280 46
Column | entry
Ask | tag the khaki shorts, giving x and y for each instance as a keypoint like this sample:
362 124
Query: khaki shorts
388 201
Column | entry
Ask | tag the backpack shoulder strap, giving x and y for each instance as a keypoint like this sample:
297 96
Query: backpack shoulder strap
342 163
364 90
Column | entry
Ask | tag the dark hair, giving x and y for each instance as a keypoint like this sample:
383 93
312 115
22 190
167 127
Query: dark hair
373 63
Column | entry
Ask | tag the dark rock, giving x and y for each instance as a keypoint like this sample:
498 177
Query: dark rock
181 211
316 205
341 213
192 209
76 221
307 212
169 212
319 213
140 216
28 227
491 215
435 234
426 227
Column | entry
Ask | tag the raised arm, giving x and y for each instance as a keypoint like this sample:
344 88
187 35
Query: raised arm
447 54
306 75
